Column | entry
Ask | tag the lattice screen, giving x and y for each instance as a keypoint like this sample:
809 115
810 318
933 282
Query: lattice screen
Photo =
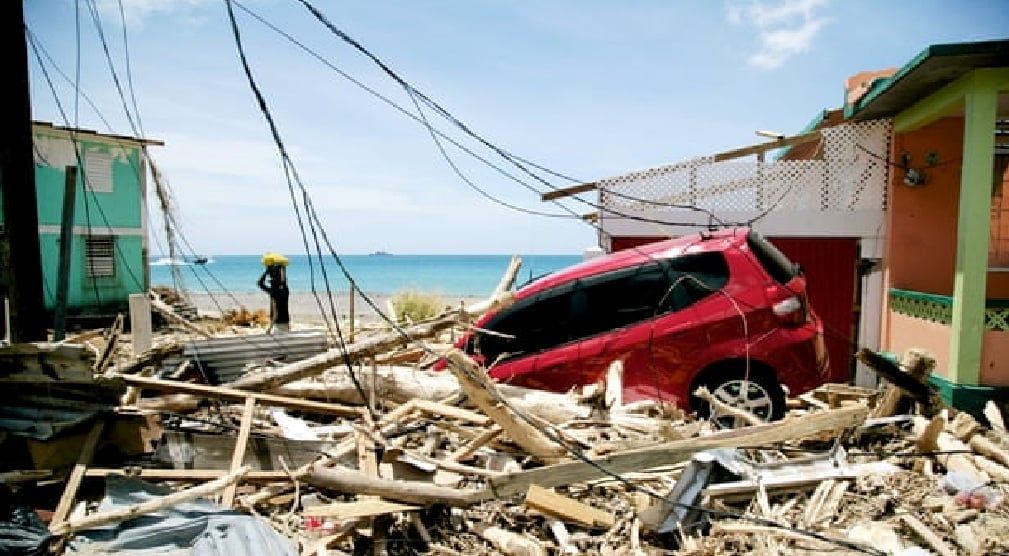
847 179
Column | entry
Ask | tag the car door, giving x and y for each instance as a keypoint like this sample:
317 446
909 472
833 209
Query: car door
621 306
680 337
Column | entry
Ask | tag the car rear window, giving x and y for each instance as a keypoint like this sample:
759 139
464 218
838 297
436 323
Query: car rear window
774 261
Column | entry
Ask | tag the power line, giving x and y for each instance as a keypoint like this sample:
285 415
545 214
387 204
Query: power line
291 172
571 449
501 152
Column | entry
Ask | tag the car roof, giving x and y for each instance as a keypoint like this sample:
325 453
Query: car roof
694 243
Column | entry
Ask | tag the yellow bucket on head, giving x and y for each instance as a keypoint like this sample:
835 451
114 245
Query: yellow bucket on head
271 258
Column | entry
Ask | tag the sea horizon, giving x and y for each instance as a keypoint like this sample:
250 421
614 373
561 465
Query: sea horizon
452 275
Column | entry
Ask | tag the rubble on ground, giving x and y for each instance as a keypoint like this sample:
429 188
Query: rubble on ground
209 443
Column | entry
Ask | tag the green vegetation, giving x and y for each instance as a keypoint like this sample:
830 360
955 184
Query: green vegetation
413 306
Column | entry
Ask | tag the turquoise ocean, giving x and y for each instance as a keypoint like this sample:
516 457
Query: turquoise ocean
456 275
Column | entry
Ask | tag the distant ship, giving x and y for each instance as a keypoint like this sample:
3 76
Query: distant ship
381 254
200 260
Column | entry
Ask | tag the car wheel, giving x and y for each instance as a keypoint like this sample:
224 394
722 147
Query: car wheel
760 394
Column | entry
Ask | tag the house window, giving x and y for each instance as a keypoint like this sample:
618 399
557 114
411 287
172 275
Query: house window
998 247
100 256
98 171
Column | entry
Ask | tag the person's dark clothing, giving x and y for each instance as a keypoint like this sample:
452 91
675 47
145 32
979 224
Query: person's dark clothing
278 292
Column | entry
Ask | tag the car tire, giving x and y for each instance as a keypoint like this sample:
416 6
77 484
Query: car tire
766 399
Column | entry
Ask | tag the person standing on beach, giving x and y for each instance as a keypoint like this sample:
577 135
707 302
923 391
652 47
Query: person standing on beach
276 288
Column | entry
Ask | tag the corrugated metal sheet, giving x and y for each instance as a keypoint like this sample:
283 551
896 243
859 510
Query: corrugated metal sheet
224 359
197 528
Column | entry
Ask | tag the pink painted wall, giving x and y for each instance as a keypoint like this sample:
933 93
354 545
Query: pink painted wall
994 358
911 332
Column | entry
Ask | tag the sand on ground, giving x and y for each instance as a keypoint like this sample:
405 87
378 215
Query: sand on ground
303 305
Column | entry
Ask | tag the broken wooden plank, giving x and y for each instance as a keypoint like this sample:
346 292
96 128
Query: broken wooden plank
483 393
989 449
467 450
561 507
144 508
501 292
677 451
111 345
170 314
151 357
927 535
361 508
927 441
244 429
226 393
718 408
77 474
275 378
907 378
510 543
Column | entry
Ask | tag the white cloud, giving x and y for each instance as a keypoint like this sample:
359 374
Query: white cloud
784 29
139 11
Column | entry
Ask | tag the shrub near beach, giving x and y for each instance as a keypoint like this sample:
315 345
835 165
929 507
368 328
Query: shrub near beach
414 306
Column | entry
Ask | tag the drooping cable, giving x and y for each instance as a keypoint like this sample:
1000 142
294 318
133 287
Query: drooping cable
285 159
576 452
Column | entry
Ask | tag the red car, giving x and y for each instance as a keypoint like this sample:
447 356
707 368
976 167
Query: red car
679 314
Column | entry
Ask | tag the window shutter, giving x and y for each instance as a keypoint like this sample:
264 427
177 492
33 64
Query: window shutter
100 256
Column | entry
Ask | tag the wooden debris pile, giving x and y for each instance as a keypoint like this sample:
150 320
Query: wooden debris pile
397 458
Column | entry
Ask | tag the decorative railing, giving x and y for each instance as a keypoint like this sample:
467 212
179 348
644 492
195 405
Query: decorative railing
851 175
939 308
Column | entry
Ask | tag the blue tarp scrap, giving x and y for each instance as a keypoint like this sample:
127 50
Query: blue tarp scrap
22 533
197 528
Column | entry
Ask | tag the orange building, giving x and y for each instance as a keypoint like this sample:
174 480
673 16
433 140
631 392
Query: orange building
946 257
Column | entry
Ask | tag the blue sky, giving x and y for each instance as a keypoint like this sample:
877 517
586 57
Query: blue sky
588 88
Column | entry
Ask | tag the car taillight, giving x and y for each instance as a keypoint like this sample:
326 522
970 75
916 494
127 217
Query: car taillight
790 311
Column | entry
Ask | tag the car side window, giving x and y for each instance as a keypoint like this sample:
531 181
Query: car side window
530 325
695 277
624 297
601 303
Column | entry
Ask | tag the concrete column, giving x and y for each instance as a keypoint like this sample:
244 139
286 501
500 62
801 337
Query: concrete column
140 322
973 228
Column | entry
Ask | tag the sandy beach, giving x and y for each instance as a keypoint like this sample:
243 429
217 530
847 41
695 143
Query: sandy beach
303 306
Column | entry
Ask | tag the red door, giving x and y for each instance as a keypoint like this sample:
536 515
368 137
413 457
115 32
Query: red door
831 280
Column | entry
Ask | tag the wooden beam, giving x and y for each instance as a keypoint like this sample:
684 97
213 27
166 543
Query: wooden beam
759 148
483 393
223 392
410 492
927 535
77 474
669 453
238 456
561 507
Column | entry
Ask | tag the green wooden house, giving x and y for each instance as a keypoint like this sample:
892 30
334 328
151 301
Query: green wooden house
109 251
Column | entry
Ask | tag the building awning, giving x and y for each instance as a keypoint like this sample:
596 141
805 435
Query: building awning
933 68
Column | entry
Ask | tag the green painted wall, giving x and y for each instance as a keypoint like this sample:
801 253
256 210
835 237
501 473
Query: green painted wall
94 295
121 209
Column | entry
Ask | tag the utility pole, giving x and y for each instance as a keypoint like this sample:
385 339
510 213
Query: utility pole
19 247
66 253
